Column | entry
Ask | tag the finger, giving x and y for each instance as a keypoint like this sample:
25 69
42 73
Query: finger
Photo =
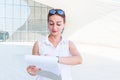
37 69
32 73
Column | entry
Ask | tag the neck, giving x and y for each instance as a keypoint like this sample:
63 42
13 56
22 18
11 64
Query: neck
54 39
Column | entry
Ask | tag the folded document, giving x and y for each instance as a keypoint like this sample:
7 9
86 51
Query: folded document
46 63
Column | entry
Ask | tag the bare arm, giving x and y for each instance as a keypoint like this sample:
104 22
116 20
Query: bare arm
74 59
35 50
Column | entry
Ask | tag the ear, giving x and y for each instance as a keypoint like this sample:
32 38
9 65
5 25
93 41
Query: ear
63 28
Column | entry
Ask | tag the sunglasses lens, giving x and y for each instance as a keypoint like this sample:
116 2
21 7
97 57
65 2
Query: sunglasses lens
52 11
60 12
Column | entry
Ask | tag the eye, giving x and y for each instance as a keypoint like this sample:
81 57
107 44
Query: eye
51 23
58 24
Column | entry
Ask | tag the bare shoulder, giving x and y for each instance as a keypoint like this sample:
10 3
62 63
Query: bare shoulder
71 44
35 50
36 43
73 49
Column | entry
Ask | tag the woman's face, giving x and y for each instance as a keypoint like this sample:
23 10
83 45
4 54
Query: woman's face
56 24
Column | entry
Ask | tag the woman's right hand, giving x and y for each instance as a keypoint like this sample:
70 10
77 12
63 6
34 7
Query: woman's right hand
32 70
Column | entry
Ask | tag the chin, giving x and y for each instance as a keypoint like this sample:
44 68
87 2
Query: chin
55 34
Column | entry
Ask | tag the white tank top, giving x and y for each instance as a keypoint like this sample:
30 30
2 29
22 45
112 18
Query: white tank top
62 50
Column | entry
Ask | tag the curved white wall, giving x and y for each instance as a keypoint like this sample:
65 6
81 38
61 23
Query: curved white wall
91 21
95 26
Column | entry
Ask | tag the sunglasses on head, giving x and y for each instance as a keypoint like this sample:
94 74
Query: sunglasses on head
56 11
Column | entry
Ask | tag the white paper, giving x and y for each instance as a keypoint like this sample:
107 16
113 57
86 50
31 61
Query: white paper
46 63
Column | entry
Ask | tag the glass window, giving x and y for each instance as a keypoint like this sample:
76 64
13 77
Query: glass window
17 2
16 24
2 1
2 10
37 13
32 12
25 11
17 12
9 24
44 13
25 20
10 2
2 23
9 11
31 2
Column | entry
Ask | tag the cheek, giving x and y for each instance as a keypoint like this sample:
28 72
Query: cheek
62 27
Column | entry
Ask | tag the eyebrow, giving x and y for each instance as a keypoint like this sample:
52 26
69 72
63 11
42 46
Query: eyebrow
53 21
59 21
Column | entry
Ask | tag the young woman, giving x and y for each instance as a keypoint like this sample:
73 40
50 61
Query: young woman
56 45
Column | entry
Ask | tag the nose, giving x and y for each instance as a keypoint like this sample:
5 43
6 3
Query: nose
54 26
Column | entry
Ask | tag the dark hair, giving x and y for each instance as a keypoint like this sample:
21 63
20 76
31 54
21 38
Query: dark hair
56 11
